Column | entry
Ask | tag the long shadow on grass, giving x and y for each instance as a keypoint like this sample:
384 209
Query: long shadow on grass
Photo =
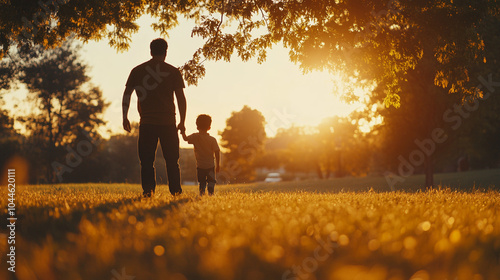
35 224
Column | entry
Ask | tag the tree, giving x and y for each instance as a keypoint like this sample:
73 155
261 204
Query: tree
122 167
345 148
6 121
66 109
335 145
405 131
10 140
372 40
303 152
425 103
243 138
7 73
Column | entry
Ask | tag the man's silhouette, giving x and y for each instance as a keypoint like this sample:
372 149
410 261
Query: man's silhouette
155 83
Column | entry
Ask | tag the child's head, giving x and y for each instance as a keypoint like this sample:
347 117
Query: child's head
203 122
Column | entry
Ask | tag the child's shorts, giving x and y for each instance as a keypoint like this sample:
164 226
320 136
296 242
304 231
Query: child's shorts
206 175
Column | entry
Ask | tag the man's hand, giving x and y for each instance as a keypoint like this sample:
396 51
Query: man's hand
126 125
182 128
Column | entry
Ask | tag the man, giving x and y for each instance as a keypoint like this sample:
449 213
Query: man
155 83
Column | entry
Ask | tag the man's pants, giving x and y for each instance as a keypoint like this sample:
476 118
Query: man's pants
169 141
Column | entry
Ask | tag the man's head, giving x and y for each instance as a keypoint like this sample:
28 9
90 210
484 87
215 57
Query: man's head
158 48
203 122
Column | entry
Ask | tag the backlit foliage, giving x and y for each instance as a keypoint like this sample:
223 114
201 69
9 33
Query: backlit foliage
372 40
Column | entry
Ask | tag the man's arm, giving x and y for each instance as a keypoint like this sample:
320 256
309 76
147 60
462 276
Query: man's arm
127 94
181 103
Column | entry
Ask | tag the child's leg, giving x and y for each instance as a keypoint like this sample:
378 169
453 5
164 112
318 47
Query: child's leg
202 180
211 181
211 188
202 188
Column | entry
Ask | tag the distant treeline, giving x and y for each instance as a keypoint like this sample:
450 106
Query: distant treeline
336 149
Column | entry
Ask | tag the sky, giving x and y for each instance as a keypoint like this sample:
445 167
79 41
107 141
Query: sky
277 87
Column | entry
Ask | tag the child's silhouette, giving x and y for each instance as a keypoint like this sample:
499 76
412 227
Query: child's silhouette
205 150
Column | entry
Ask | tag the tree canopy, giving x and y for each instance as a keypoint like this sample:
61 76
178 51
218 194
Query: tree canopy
372 40
243 138
66 107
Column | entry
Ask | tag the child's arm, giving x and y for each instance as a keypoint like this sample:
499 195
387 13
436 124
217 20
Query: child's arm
217 161
183 133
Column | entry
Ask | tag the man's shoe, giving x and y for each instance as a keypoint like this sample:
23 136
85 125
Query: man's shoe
177 193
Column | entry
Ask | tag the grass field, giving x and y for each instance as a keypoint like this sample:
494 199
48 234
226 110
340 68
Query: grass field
331 229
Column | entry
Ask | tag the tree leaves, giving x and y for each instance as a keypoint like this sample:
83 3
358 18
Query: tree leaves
64 104
373 39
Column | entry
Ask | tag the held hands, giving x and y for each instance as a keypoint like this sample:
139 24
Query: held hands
126 125
182 128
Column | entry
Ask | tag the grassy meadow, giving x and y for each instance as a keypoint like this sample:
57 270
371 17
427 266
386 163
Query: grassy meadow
335 229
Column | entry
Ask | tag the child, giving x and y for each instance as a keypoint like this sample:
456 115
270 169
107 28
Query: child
205 148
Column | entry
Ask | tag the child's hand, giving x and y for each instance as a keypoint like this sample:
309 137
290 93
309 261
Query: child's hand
183 134
181 127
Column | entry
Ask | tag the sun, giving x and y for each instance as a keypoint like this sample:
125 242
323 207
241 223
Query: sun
312 98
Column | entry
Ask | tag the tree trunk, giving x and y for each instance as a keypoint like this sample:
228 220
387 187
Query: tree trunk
429 172
340 171
318 170
51 149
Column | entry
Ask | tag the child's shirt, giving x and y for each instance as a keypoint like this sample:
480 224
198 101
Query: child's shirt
204 148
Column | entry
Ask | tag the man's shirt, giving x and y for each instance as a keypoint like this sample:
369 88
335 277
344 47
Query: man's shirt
154 83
